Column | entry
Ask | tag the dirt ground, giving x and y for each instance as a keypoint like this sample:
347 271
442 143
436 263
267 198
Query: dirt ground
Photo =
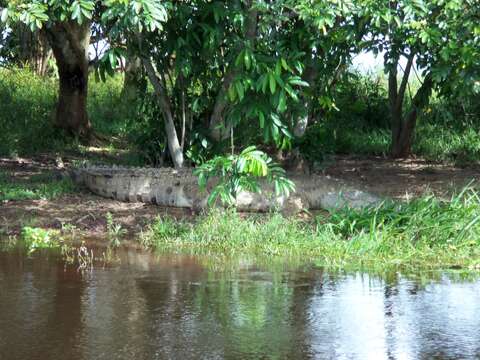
87 213
402 179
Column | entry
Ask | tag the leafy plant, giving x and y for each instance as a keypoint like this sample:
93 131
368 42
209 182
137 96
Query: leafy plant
38 238
114 231
164 229
423 233
237 173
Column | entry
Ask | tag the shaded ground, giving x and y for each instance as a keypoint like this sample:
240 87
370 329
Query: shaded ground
80 209
402 179
87 213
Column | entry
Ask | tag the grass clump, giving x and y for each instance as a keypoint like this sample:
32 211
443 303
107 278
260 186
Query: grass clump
423 233
38 238
115 231
41 186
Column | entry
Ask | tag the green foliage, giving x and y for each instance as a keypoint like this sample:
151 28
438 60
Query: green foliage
42 186
458 145
146 131
425 233
427 221
343 137
165 229
356 122
28 104
115 232
258 66
37 238
448 130
237 173
418 28
126 14
108 112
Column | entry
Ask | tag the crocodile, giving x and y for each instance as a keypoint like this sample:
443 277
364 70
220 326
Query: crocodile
179 188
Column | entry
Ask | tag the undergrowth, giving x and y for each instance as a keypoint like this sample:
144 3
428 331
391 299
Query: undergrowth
40 186
28 105
448 130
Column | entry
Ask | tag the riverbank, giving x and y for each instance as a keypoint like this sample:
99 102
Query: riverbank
36 192
427 229
424 233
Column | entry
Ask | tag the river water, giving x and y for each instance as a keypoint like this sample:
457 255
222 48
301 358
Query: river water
142 306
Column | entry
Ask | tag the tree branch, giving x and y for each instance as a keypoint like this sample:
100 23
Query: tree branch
403 85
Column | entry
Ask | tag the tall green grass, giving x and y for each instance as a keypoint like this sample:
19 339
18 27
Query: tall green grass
435 142
27 104
423 233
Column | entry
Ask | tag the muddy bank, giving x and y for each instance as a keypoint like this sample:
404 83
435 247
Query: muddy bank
87 212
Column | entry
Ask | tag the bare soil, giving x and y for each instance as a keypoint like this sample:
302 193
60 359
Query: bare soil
402 179
87 213
83 210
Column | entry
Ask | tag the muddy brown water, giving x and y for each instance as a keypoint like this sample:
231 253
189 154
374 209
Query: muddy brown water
142 306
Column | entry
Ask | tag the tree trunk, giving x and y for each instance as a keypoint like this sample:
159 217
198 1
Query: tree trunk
174 147
217 125
69 42
217 118
403 126
402 136
302 122
34 49
133 83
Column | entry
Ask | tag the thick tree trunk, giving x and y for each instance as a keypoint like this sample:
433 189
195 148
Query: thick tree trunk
174 147
217 121
69 42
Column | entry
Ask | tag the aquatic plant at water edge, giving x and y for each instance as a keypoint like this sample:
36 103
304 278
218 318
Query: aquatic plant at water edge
37 238
427 232
115 231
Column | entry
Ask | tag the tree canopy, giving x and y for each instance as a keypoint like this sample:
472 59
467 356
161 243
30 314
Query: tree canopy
268 67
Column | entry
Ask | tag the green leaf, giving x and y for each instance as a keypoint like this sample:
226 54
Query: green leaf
247 60
232 95
273 83
296 80
261 117
282 102
276 120
240 58
240 90
76 11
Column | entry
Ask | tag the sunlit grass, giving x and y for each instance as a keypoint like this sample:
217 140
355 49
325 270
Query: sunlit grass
42 186
28 104
424 233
